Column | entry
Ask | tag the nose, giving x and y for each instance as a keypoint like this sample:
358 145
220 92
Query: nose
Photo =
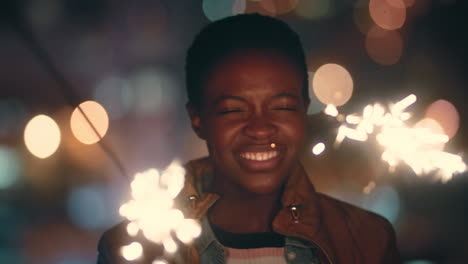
260 128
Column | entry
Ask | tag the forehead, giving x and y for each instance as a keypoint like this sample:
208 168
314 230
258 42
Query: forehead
253 72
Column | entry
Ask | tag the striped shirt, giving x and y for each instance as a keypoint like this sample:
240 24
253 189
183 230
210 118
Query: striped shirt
253 248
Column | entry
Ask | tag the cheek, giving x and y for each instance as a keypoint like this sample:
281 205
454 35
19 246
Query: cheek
222 135
294 130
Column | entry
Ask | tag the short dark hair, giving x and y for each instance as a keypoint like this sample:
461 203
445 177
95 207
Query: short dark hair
236 33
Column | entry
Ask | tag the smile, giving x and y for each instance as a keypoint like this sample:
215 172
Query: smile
260 156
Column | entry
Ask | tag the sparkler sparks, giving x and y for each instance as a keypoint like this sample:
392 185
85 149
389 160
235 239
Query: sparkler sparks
418 147
151 212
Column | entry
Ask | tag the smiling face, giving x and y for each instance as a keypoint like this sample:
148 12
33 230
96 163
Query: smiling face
251 100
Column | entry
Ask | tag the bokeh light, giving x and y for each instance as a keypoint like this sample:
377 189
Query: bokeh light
383 200
385 47
97 115
446 115
90 207
42 136
133 251
239 7
316 9
159 261
318 148
219 9
156 91
332 84
12 115
386 14
279 7
9 167
315 106
115 95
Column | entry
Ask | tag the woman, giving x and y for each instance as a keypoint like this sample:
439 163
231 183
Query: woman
247 86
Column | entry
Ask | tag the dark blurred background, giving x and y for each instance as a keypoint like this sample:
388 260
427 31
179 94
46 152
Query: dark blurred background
129 57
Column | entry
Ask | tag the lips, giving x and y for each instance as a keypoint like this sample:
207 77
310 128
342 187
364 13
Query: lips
259 158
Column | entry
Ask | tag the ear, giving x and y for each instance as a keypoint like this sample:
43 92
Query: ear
195 120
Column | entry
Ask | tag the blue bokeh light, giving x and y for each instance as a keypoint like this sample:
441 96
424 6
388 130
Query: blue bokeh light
385 201
115 94
92 207
217 9
9 167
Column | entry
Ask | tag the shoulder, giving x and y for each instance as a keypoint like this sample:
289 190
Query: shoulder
356 215
372 233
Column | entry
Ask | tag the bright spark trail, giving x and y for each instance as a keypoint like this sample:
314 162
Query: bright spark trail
418 147
151 211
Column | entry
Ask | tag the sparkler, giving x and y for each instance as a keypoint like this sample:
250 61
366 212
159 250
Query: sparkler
151 211
418 147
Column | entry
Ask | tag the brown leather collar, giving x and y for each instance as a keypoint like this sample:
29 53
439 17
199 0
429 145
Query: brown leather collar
299 217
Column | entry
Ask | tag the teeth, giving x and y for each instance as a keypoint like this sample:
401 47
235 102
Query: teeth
259 156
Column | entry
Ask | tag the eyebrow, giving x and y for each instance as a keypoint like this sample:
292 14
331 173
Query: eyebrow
286 94
227 97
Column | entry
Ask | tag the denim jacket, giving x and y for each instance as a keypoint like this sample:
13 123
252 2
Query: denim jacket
296 251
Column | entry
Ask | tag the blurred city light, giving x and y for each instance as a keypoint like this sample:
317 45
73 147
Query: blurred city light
317 9
12 115
218 9
315 106
388 14
42 136
385 47
446 115
383 200
239 7
159 261
318 148
332 84
115 95
9 167
279 7
90 207
156 91
97 115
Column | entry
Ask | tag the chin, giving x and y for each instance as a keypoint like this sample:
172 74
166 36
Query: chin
263 189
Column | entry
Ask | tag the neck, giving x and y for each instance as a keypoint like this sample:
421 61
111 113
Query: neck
248 212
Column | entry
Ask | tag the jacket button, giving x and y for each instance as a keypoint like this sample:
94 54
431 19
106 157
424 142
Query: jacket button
291 255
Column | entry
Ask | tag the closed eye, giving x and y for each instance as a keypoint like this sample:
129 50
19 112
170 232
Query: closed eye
223 112
285 108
